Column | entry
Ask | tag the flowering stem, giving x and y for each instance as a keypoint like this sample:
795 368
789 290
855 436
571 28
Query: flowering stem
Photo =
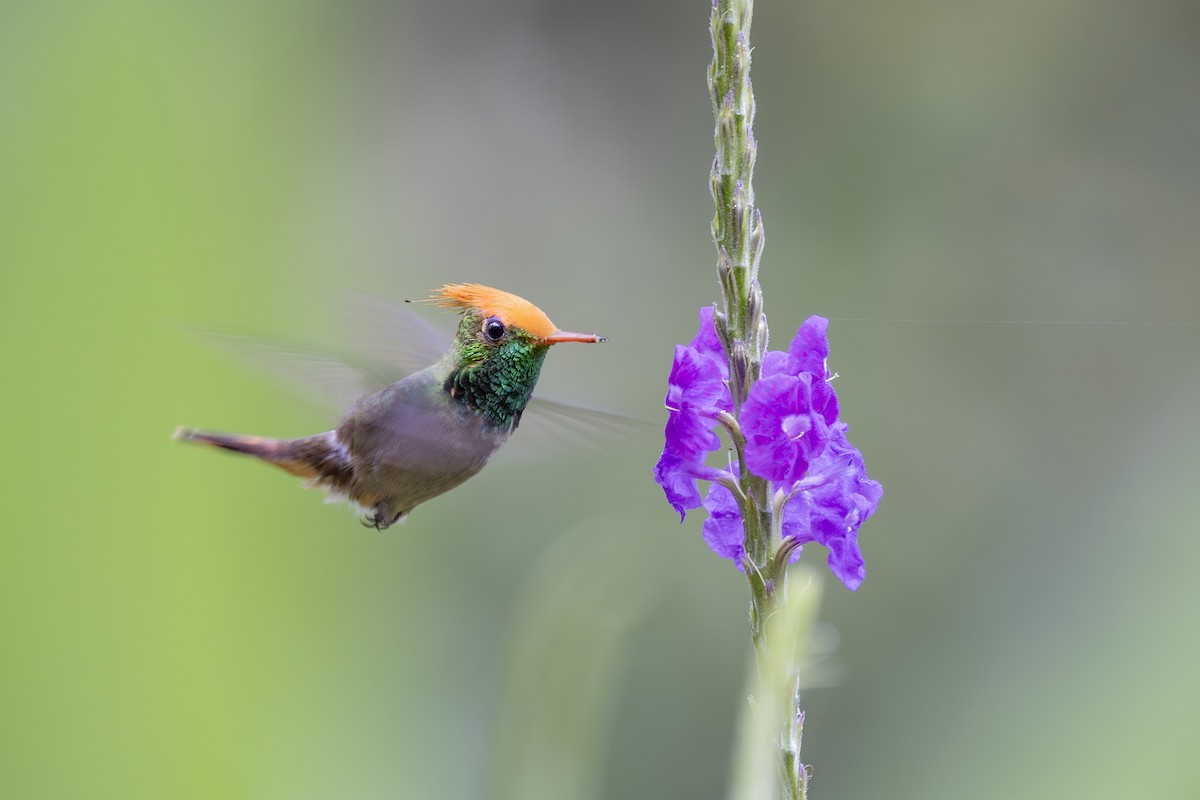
741 325
768 758
737 225
781 416
738 234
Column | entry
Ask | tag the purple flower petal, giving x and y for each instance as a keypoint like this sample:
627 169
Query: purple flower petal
783 431
846 561
810 347
723 530
696 380
672 473
777 362
696 392
689 435
831 512
809 351
706 340
824 400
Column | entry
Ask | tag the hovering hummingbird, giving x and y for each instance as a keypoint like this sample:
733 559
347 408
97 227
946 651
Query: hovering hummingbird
428 432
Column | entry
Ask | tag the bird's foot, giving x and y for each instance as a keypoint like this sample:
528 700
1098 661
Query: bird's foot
381 518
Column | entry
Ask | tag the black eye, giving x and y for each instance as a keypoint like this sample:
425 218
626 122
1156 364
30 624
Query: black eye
493 329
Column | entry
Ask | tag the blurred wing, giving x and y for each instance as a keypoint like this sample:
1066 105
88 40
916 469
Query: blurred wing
317 374
553 427
385 342
394 338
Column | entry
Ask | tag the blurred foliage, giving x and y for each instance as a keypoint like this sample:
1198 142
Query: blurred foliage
181 624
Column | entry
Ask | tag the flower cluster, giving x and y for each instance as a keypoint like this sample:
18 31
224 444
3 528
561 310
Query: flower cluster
792 440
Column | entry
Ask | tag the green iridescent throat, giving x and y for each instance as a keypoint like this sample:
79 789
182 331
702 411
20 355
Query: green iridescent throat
495 379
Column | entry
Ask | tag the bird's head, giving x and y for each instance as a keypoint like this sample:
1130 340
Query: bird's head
498 351
499 326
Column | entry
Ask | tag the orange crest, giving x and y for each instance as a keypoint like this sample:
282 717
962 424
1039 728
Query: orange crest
512 310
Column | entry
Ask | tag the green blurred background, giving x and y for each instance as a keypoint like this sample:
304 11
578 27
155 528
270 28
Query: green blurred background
181 624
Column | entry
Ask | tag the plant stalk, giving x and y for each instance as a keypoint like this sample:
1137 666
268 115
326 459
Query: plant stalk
741 324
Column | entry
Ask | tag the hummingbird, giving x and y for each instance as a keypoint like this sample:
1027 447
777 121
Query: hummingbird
429 431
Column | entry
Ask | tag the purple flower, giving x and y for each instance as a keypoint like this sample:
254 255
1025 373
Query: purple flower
793 440
784 427
696 392
677 476
789 410
807 354
832 503
829 506
696 381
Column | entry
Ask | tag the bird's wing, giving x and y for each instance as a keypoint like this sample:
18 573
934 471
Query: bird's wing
551 425
329 379
393 338
384 343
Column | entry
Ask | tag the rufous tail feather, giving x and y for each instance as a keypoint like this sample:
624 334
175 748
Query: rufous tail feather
321 459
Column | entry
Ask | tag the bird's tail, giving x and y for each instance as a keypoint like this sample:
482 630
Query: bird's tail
321 459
